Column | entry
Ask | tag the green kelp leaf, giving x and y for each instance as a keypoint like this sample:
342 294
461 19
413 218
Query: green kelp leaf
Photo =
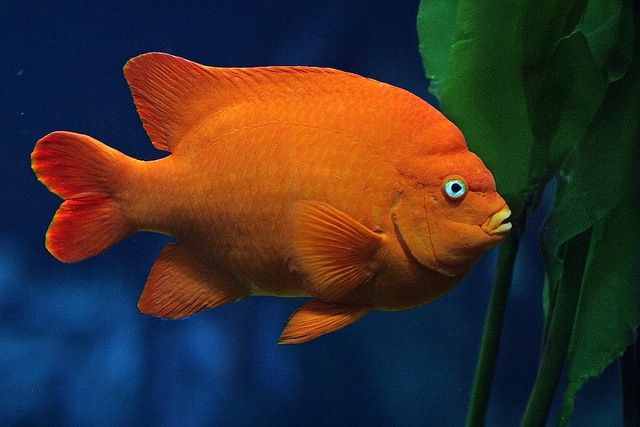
560 109
515 86
483 92
589 181
608 27
597 189
436 28
609 306
521 79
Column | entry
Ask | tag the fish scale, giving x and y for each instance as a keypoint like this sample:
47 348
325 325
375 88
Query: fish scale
261 222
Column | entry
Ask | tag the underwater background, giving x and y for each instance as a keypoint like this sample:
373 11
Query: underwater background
74 350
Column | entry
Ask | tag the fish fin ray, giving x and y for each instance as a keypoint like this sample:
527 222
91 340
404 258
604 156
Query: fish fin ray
172 94
84 172
164 88
336 252
316 318
178 287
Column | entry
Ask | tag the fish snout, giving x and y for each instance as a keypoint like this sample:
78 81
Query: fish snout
497 224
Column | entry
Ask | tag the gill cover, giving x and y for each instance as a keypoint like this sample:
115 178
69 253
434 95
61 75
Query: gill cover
410 220
432 240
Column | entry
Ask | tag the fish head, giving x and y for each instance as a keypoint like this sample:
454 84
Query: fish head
449 212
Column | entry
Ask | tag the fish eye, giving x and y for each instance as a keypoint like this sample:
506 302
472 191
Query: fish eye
454 188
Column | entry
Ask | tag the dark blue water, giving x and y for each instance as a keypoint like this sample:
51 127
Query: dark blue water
74 350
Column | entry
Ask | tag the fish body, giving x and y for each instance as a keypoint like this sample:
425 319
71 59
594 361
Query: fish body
282 181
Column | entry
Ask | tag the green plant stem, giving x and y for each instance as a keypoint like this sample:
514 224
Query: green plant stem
559 334
492 331
630 372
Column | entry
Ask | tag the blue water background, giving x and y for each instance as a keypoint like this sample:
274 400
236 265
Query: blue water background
74 350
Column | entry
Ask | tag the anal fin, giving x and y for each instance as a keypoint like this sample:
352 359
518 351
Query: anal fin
179 287
316 318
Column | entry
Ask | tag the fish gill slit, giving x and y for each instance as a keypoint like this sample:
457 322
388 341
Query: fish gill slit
433 248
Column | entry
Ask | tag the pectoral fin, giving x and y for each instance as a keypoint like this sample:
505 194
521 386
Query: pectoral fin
178 286
317 318
336 252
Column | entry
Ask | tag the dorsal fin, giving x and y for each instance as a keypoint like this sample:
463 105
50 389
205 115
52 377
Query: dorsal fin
172 94
165 88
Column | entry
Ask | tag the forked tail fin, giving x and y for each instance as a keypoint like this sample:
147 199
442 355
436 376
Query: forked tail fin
87 174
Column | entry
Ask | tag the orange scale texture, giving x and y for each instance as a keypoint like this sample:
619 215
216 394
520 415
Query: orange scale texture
282 181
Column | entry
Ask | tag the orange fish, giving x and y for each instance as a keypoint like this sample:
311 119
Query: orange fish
282 181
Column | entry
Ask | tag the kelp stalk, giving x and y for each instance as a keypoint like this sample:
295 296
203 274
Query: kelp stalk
561 316
493 329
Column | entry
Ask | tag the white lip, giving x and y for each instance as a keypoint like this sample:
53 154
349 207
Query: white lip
496 225
502 228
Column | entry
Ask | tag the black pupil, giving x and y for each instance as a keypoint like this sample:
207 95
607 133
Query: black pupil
456 188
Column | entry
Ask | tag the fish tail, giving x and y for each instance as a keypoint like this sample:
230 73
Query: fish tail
87 174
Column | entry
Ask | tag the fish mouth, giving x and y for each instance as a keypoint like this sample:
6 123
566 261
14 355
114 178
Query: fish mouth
497 224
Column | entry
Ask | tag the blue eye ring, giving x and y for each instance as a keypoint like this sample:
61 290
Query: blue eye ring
454 187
